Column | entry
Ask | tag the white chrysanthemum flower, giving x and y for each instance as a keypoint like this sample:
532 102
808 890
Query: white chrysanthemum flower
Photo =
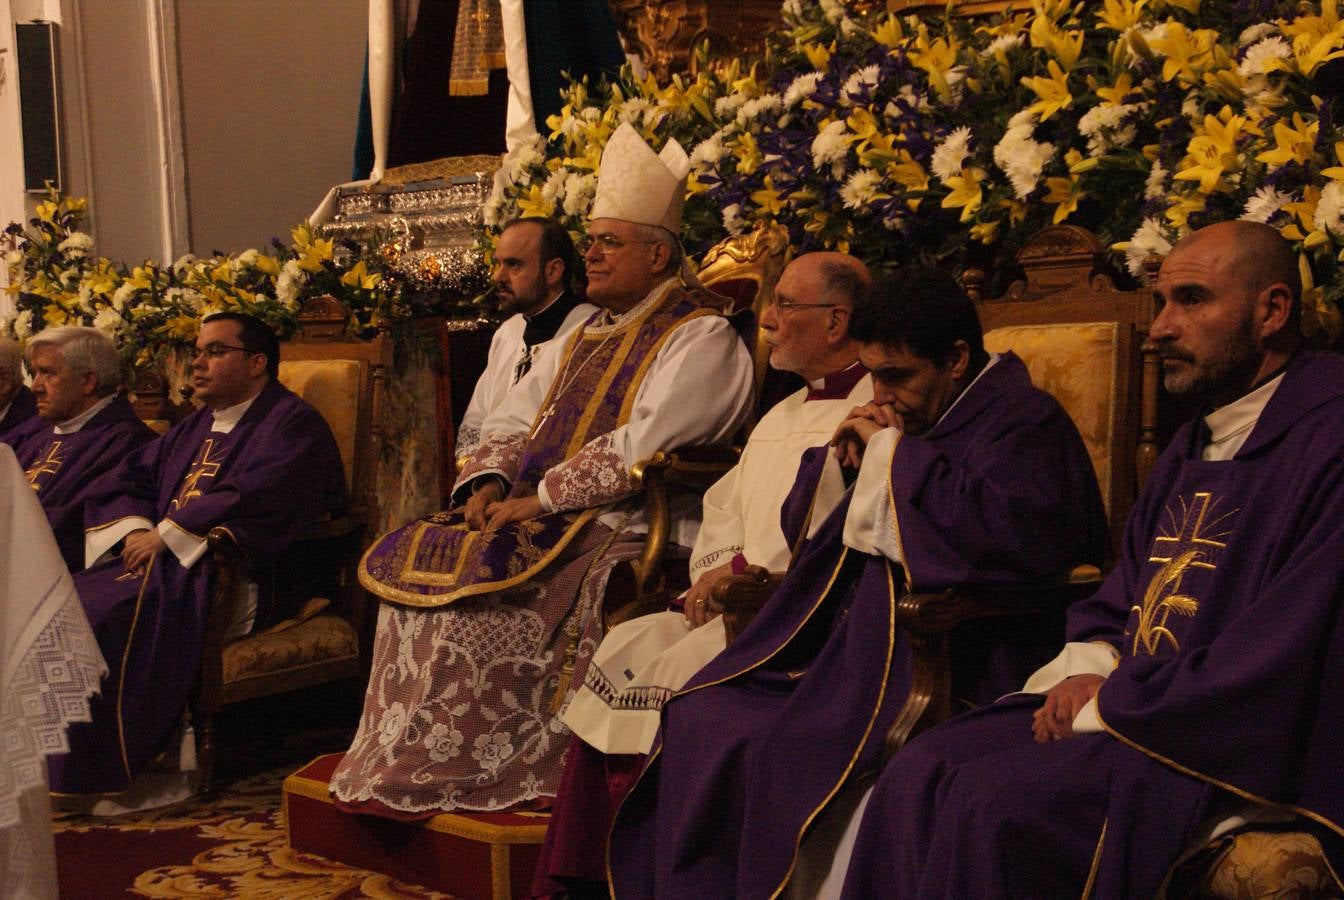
553 188
726 107
1330 210
85 299
1022 159
1023 123
108 321
524 156
579 191
733 222
247 257
589 114
792 10
708 152
951 153
1190 108
122 295
860 189
1005 42
833 10
290 282
1260 55
831 145
1156 185
77 244
23 324
1264 203
862 81
635 111
913 100
1151 239
183 264
1104 127
801 88
1255 33
755 108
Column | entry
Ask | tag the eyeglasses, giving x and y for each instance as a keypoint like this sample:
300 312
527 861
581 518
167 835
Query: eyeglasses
606 243
215 351
786 305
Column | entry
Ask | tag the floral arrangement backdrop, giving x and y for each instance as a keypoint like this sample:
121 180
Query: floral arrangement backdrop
895 138
953 140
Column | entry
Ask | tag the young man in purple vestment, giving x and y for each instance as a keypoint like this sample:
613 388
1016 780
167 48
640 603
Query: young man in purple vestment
1201 688
614 715
17 404
255 459
963 473
84 429
492 608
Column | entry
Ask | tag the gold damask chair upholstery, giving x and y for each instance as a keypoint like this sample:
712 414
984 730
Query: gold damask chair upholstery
1083 340
743 271
326 630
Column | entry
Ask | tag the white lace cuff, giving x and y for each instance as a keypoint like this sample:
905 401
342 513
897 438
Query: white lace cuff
595 476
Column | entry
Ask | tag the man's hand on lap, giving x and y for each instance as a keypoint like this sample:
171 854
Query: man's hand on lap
700 607
1054 720
139 548
514 509
484 493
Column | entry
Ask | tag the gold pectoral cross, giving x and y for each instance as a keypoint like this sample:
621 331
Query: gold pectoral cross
1194 545
204 467
48 466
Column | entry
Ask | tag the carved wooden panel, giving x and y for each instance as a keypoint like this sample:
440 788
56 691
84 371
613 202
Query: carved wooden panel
666 34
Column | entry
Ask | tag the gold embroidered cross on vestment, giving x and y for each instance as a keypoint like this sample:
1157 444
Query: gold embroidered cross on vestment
49 465
203 467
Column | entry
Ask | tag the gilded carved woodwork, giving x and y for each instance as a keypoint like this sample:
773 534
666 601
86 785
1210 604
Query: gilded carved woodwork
665 35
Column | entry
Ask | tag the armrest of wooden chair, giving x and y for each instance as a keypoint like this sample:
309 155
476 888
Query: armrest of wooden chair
740 597
636 587
929 619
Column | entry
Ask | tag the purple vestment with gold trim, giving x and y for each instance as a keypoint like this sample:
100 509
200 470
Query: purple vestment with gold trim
1225 609
1000 491
18 420
270 478
64 468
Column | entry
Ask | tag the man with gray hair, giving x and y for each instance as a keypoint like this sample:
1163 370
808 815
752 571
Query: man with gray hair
84 427
17 406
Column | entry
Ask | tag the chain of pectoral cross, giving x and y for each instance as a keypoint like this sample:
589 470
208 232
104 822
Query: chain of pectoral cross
562 383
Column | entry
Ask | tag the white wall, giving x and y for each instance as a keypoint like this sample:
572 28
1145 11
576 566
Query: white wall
205 124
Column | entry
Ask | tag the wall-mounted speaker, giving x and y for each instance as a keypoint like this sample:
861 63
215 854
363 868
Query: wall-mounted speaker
39 99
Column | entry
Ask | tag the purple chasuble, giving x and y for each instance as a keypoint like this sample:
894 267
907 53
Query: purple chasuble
18 420
1001 491
437 559
270 478
1225 608
64 468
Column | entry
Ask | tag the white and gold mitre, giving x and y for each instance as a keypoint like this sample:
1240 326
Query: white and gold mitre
636 185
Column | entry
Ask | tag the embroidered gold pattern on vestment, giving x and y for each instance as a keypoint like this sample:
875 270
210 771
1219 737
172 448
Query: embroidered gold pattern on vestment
205 467
1193 543
48 465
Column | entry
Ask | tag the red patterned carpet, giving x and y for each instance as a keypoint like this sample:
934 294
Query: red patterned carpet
234 846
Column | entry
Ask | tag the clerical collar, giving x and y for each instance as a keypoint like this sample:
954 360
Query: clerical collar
543 325
227 418
620 320
993 358
70 426
1230 425
837 385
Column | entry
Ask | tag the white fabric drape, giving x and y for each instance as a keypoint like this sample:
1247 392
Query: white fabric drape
49 666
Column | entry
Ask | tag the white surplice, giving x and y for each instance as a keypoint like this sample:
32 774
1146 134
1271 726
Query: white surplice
501 368
641 662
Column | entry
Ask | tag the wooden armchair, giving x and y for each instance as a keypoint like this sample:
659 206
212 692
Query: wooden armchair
326 631
743 270
1083 340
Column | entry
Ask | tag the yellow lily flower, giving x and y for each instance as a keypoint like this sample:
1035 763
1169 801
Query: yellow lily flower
935 57
1064 45
1120 15
1180 210
1053 91
1296 143
1115 94
46 211
268 264
889 32
360 278
1336 173
966 193
1188 53
748 153
181 328
767 199
1213 151
1066 192
532 203
1316 39
817 55
223 272
985 232
55 316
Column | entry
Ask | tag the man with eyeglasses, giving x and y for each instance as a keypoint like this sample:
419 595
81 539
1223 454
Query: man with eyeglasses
84 427
963 473
17 404
495 605
615 714
533 279
255 459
